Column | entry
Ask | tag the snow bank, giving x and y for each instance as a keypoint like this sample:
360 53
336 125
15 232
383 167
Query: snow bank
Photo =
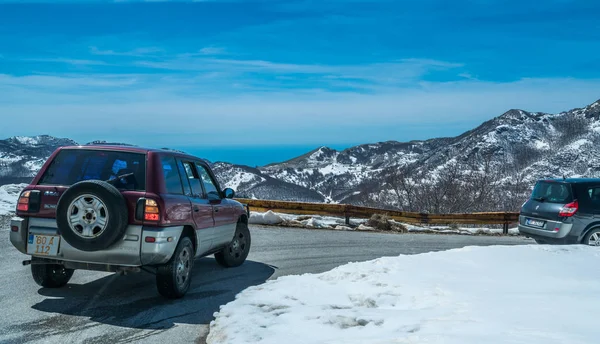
330 222
8 202
305 221
268 218
8 197
522 294
460 230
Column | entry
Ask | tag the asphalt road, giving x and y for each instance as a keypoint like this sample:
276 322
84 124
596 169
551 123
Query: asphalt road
106 308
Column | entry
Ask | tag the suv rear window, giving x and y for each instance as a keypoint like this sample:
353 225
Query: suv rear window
74 165
552 192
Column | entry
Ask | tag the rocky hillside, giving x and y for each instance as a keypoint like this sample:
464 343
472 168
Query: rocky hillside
517 145
21 157
509 151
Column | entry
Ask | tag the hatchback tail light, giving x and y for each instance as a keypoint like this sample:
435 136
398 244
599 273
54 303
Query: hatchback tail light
569 209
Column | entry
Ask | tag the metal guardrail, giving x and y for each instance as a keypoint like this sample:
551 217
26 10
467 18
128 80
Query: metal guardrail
347 211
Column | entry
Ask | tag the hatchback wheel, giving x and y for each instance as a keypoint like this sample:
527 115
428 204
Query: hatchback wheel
593 238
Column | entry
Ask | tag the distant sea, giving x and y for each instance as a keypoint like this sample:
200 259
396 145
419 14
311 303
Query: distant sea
253 155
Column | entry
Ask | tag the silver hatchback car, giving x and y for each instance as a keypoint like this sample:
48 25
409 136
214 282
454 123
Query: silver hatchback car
563 211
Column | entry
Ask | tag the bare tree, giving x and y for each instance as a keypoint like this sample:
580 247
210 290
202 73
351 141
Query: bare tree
570 127
481 183
403 186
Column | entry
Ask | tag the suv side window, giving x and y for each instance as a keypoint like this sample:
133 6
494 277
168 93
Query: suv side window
171 175
184 179
594 194
209 184
194 180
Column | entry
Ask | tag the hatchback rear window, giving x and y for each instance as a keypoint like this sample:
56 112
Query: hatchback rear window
552 192
74 165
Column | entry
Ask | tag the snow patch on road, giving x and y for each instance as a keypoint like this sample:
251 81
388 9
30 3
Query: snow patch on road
501 294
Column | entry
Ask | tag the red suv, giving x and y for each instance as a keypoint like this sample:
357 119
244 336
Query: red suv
119 209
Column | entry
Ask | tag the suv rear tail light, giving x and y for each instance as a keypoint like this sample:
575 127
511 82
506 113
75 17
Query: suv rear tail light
23 204
151 212
569 209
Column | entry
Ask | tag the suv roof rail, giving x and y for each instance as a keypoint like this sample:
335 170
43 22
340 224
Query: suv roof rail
104 143
174 150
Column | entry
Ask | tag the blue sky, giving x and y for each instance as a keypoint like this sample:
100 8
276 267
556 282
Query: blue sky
288 73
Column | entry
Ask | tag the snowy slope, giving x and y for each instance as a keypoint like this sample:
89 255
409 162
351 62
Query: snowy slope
22 157
522 294
337 175
535 144
249 182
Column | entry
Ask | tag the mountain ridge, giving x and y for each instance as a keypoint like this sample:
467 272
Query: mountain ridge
516 143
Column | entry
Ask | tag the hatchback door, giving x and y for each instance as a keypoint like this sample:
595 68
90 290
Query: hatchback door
546 202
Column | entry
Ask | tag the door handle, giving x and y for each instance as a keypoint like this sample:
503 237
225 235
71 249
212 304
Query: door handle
217 209
196 209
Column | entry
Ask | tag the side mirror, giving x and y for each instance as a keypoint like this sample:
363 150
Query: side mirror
229 193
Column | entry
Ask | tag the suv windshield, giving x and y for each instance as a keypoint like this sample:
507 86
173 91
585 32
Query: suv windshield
552 192
74 165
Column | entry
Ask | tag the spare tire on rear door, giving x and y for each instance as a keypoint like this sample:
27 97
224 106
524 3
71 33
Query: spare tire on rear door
92 215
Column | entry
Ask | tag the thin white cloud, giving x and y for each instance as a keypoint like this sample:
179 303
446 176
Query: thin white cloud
405 70
138 52
66 81
173 109
76 62
212 51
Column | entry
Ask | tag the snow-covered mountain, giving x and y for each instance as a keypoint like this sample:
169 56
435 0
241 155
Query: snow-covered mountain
21 157
515 146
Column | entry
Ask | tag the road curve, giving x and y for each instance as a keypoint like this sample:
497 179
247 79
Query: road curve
106 308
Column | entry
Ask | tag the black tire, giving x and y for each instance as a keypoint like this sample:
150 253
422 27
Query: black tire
50 275
168 281
236 252
541 241
115 205
586 239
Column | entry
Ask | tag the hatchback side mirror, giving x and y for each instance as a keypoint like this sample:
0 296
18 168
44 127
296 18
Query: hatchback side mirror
229 193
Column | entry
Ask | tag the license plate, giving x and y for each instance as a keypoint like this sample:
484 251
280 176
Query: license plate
535 223
43 245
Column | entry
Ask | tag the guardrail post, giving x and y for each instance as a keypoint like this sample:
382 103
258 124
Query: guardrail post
346 215
505 225
424 218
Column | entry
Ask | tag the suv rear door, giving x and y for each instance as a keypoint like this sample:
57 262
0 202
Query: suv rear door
69 166
201 208
547 199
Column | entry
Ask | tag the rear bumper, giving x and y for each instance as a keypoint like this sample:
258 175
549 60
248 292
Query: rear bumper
553 231
132 250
